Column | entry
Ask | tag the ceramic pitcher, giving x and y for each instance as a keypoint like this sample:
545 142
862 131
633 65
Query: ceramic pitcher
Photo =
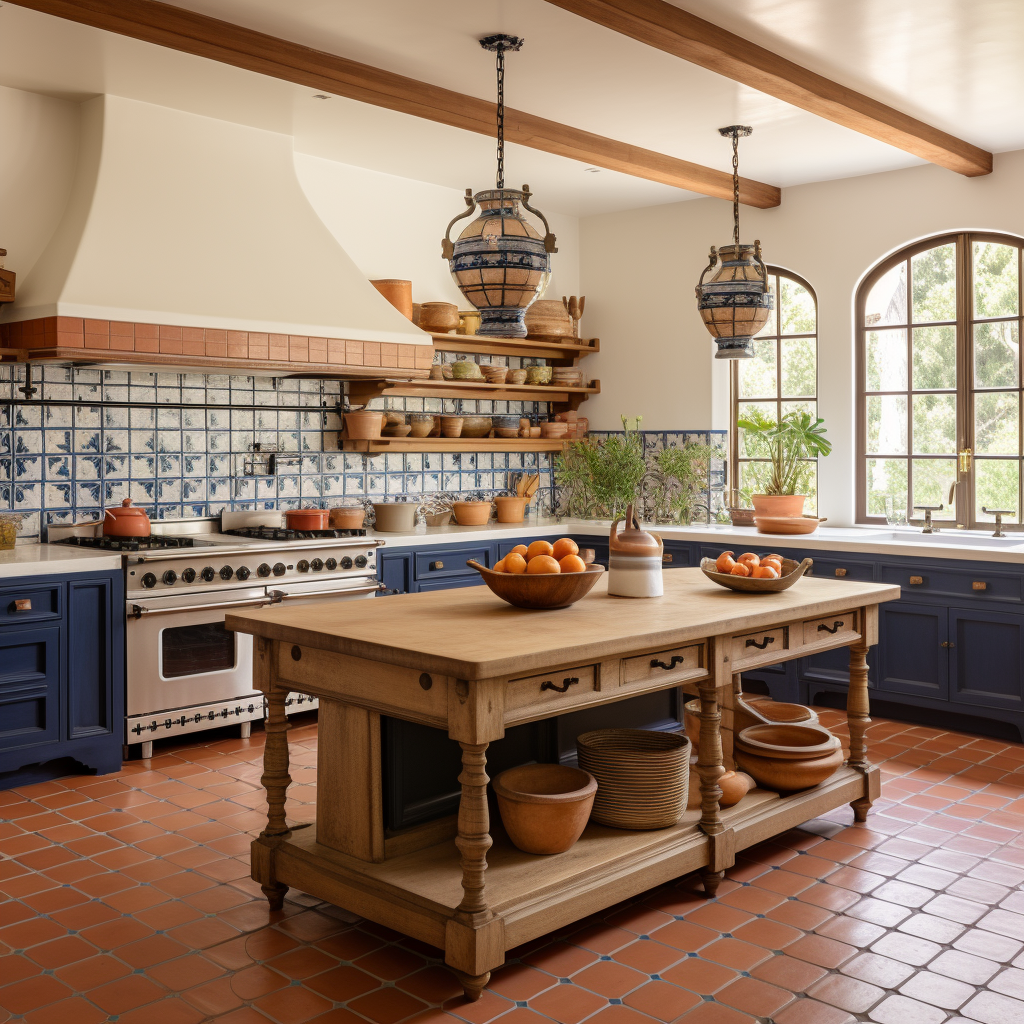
634 563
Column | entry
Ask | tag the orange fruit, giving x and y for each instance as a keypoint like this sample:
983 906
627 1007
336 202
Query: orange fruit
766 572
514 562
564 546
571 563
540 564
740 569
499 566
519 549
773 562
774 555
537 548
749 558
725 562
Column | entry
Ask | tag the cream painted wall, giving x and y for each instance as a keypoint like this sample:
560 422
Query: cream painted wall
638 269
392 227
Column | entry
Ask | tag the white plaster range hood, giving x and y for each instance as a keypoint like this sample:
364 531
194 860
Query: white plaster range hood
180 220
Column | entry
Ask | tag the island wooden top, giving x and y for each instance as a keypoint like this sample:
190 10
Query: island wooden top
471 634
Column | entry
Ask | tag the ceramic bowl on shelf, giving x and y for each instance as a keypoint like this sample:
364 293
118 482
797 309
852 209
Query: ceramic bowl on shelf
438 317
554 431
494 374
395 516
791 572
540 591
538 375
397 430
788 757
787 525
466 369
472 513
364 425
544 807
421 423
451 426
476 426
549 318
347 517
307 518
516 377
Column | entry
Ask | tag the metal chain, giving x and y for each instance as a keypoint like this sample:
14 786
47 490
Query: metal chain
736 189
500 178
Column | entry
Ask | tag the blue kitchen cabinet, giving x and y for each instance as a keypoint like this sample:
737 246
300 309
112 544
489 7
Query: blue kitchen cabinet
913 658
986 659
394 570
61 676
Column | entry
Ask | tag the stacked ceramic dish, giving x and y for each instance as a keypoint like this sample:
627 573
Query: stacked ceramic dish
466 369
567 377
538 375
642 776
494 374
787 757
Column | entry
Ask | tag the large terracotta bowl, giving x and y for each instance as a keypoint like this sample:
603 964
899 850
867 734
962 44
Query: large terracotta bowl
541 591
787 757
791 572
544 807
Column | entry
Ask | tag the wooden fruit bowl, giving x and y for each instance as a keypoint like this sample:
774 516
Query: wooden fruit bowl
791 572
554 590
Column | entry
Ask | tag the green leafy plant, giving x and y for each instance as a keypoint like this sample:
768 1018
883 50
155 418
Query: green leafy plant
786 444
685 474
601 477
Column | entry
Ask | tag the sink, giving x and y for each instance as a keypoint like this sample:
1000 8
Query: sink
949 538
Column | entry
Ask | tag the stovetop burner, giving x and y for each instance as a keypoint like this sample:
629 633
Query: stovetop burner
281 533
155 542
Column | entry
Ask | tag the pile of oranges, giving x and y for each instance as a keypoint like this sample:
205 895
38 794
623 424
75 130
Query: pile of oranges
541 557
748 564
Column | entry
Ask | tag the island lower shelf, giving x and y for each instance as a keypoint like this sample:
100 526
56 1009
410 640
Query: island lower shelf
417 893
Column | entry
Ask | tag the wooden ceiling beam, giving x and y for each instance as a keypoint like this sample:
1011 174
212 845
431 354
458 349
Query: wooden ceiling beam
178 29
666 27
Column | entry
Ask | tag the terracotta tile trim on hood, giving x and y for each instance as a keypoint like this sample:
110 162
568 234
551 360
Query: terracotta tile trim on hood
113 341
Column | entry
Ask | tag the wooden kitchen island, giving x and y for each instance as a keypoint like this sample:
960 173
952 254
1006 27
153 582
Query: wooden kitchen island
465 662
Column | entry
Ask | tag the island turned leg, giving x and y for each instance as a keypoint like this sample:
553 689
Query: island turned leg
473 841
711 769
275 781
857 707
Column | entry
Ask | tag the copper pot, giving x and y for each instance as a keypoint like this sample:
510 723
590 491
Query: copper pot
306 518
126 521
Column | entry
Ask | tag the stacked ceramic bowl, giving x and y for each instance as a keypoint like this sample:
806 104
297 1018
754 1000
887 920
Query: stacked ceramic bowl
642 776
494 374
567 377
466 369
788 757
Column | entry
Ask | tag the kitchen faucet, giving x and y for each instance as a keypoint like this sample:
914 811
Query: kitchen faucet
928 510
998 513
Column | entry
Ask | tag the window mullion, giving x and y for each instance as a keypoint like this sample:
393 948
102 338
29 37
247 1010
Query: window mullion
965 378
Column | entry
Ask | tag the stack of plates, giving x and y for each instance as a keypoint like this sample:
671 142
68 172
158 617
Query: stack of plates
642 776
567 376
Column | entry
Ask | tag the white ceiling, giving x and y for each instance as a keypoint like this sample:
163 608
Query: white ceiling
952 63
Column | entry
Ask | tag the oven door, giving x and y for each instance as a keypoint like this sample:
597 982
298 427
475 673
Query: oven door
316 591
179 654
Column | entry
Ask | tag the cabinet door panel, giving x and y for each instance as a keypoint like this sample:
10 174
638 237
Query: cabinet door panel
90 674
395 570
29 687
449 584
987 663
911 657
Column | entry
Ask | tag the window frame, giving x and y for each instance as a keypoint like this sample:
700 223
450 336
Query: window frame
964 507
734 376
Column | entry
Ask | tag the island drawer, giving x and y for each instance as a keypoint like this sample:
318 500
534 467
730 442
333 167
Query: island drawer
444 563
30 603
840 626
675 664
980 583
566 686
770 643
841 569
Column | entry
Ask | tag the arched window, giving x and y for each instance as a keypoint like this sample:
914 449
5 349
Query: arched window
939 382
782 376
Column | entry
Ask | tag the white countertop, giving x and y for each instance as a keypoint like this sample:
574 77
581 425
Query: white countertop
54 560
949 543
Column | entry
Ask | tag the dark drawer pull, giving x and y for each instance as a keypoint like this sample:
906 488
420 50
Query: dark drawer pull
763 644
677 659
566 683
437 565
22 604
834 628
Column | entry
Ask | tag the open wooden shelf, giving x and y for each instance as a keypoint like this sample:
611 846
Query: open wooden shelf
537 348
452 444
362 391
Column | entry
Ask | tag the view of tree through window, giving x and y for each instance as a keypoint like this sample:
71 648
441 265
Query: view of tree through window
782 377
940 375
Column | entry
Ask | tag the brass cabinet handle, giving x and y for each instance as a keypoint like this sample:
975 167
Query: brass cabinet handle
840 572
947 643
916 581
21 604
763 644
979 585
667 557
566 683
437 565
677 659
834 628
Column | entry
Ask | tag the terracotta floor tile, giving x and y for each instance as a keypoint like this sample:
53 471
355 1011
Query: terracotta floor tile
902 1010
741 956
169 1010
436 985
30 932
754 997
342 983
656 999
602 939
878 970
385 1006
202 934
268 943
767 933
215 997
954 963
718 918
310 926
988 945
846 993
389 963
817 949
851 931
561 959
700 976
84 975
32 993
117 932
76 1009
938 929
153 949
994 1008
684 935
937 990
125 994
795 975
648 956
84 915
751 899
167 915
60 952
712 1013
185 972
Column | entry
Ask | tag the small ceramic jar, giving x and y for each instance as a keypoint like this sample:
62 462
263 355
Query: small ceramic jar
634 562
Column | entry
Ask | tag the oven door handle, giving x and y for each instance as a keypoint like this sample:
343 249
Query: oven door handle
278 596
139 610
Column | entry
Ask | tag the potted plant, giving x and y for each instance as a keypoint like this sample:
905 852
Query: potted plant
601 477
787 444
683 479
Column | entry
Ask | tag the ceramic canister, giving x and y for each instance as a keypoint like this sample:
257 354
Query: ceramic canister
634 560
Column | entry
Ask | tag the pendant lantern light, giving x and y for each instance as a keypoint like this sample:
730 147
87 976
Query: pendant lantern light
500 262
736 302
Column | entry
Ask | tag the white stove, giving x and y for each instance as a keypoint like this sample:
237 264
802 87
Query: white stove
185 671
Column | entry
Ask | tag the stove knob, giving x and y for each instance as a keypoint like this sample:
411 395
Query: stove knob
303 566
316 565
346 562
208 573
242 573
169 577
279 569
227 572
360 561
149 580
263 570
188 575
332 564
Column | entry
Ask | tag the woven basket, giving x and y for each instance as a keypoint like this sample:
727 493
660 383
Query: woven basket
642 776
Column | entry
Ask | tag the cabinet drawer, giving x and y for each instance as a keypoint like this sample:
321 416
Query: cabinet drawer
979 583
766 643
566 686
429 565
30 603
672 665
841 627
841 569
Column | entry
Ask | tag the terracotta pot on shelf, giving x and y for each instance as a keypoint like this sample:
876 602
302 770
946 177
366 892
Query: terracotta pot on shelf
511 509
422 423
469 321
544 807
476 426
549 317
451 426
787 757
472 513
347 517
778 504
364 425
126 520
397 292
306 518
438 317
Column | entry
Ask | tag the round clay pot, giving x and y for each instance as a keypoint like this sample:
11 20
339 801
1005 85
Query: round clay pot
510 509
784 505
347 517
783 714
734 787
422 423
451 426
395 516
790 742
438 317
126 520
476 426
787 757
364 425
549 316
306 518
472 513
544 807
787 776
397 292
